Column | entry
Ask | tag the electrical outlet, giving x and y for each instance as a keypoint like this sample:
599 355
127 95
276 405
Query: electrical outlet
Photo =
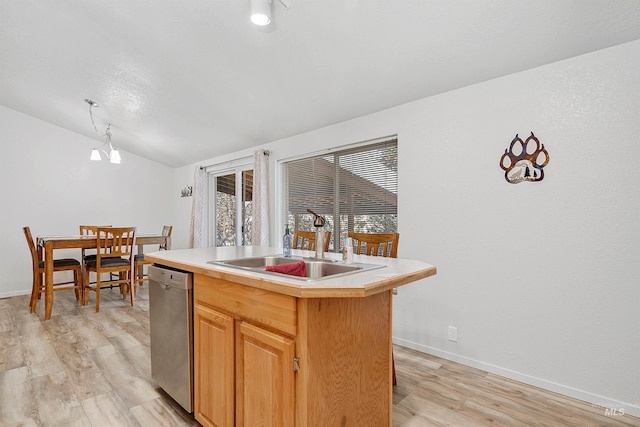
453 334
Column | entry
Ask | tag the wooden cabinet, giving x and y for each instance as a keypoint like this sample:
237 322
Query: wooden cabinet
249 343
244 349
214 367
264 378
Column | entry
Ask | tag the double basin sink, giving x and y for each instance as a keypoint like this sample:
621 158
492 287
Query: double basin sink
317 268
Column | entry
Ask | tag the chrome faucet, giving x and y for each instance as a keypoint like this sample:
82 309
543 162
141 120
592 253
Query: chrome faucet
318 223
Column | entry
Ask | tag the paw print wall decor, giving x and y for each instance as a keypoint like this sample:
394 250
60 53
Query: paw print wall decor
524 160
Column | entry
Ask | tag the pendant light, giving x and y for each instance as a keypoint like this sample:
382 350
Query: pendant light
107 149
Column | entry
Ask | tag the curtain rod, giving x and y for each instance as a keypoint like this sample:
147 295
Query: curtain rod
228 162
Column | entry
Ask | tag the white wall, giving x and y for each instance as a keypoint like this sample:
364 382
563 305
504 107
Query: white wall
48 183
541 279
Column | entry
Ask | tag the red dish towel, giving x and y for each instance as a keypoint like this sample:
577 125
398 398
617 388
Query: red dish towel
295 268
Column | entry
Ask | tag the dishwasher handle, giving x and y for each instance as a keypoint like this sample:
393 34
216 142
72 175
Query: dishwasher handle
170 278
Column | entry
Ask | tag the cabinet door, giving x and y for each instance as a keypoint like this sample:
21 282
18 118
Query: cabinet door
214 367
265 378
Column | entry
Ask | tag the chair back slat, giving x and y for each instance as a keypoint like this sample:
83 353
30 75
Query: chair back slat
381 244
35 257
90 230
301 237
115 242
166 231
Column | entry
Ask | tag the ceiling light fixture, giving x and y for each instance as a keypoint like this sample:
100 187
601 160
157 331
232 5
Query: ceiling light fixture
113 154
261 11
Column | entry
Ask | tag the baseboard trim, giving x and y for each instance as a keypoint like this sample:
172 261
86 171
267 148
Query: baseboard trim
607 404
14 294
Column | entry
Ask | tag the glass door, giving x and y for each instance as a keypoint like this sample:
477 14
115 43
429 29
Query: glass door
233 207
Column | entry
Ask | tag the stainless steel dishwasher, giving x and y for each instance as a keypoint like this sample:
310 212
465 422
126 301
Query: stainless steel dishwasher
171 324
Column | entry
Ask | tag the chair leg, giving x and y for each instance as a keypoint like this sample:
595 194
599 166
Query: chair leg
77 284
35 292
140 273
394 381
85 287
98 294
81 286
124 287
132 281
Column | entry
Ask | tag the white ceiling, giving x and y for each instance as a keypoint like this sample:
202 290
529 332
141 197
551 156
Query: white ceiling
187 80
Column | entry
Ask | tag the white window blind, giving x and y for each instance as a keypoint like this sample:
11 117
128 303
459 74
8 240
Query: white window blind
355 190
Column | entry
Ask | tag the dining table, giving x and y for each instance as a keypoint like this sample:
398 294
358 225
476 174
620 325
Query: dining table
49 243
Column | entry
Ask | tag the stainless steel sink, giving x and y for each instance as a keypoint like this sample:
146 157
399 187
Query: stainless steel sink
317 269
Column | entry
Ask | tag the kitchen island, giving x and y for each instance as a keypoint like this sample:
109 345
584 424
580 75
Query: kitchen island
275 350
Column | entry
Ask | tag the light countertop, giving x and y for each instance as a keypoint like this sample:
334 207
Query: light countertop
394 273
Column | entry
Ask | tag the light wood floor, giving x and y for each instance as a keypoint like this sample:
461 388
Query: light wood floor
86 369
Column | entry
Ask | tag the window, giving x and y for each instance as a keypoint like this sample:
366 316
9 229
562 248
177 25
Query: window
233 201
354 189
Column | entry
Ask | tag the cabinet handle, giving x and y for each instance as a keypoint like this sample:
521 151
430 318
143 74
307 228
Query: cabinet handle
296 364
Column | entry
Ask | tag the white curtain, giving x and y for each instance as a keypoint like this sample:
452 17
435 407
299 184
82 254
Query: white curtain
260 229
198 230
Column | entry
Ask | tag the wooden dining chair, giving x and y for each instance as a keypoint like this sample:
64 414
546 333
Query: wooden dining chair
115 254
65 264
307 240
382 244
140 261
